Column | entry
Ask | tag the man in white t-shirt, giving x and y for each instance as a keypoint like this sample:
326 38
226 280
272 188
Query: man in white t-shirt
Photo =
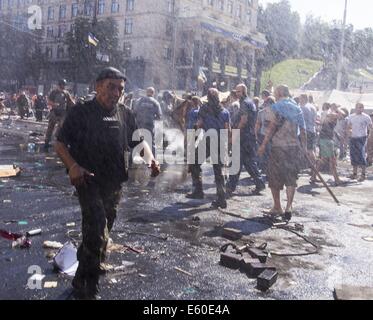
358 125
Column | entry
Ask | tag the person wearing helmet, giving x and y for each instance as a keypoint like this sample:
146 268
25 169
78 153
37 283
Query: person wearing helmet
60 101
40 105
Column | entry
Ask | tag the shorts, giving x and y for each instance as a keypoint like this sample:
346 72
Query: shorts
327 149
311 141
283 167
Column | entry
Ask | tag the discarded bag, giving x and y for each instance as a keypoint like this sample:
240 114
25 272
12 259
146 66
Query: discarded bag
52 245
66 260
7 171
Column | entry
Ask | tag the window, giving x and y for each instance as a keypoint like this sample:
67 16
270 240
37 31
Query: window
170 5
60 52
169 29
62 11
49 32
50 13
1 4
88 9
49 52
130 5
101 7
127 49
10 3
74 9
230 7
114 6
239 11
210 3
221 5
128 26
248 17
167 53
61 30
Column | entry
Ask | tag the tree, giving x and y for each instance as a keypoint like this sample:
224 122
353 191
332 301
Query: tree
84 64
282 28
20 53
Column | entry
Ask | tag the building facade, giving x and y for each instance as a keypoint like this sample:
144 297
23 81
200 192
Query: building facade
169 44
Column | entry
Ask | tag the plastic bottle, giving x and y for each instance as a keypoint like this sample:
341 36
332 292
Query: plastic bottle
31 147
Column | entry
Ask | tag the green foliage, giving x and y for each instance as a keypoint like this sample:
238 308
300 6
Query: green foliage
20 54
84 64
293 72
282 29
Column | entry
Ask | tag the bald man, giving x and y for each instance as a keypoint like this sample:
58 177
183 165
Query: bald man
246 124
147 110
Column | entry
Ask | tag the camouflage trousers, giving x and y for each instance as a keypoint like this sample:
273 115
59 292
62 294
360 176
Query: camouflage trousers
99 209
52 122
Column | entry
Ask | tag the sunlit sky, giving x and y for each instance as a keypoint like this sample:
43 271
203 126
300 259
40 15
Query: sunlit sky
359 11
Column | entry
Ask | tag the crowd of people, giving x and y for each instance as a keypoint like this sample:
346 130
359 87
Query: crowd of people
279 136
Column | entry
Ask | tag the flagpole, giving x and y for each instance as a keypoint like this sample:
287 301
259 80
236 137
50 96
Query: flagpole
341 58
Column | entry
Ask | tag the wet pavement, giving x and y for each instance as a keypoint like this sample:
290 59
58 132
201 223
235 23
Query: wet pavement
171 233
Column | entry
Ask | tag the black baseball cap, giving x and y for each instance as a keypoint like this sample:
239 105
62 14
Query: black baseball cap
110 73
62 82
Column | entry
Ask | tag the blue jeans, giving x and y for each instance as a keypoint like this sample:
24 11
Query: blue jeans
248 156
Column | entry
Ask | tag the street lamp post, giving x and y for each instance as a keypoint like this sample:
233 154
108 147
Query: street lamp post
341 58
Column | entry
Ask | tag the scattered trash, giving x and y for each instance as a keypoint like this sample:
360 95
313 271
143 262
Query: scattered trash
31 147
7 201
23 223
73 234
9 259
113 247
113 280
70 224
125 265
9 235
183 271
52 245
142 275
164 238
7 171
50 255
369 239
232 234
23 243
33 232
66 260
50 284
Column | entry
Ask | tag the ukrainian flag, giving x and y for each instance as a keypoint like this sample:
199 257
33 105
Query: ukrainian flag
92 39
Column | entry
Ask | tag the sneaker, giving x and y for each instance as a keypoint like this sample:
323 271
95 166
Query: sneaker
79 288
222 204
195 195
259 189
288 216
362 178
353 177
92 288
228 193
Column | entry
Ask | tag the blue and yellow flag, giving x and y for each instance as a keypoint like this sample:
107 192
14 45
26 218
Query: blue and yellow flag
92 39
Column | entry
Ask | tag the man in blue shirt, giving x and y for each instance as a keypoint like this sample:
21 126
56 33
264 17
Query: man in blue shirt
248 115
287 122
212 117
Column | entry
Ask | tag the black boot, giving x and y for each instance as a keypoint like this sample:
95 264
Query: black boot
196 194
92 287
79 286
